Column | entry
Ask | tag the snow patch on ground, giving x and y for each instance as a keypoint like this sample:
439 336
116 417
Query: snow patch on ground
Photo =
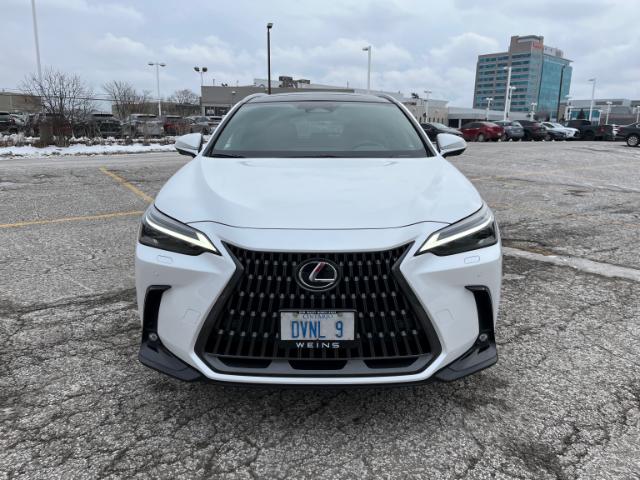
32 152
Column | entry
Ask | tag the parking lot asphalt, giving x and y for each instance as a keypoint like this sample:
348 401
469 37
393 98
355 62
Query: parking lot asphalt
563 402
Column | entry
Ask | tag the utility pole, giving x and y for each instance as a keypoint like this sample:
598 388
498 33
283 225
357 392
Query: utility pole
507 93
368 50
35 34
158 65
593 95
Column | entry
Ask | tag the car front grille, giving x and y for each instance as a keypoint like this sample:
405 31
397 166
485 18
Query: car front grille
392 331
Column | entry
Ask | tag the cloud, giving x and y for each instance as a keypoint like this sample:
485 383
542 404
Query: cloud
122 46
416 45
96 8
464 49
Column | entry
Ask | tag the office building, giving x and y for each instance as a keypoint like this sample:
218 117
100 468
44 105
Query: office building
537 72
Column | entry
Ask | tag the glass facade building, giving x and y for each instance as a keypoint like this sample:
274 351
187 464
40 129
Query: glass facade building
536 71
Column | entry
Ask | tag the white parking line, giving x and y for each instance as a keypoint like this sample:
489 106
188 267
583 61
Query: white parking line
582 264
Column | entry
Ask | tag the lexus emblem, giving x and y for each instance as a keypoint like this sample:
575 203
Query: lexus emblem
318 275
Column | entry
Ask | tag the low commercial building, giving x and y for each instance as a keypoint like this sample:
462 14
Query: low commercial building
217 100
428 110
622 111
458 116
19 102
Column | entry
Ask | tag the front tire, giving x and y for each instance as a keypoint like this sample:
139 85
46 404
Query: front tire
633 140
480 138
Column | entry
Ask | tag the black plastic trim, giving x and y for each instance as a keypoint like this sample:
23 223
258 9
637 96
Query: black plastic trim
434 341
153 353
483 354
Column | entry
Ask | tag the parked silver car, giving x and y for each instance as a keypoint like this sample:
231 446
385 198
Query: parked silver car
141 125
201 124
512 130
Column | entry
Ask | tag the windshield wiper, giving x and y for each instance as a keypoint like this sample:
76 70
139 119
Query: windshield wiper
323 155
226 155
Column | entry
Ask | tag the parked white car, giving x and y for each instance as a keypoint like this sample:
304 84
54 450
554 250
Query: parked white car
559 131
318 238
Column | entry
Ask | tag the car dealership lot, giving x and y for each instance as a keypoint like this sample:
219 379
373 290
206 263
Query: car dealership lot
562 402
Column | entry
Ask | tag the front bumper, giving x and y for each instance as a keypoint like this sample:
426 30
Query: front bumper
444 287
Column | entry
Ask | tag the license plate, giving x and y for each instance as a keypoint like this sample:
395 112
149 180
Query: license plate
316 325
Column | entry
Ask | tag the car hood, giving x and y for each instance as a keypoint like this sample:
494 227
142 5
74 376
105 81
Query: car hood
324 193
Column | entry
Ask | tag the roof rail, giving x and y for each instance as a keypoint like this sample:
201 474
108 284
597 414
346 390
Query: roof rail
386 96
253 95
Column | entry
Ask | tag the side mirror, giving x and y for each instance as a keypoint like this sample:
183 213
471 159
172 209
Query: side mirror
189 144
450 145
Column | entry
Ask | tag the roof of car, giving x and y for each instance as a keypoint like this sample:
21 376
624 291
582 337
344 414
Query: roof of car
318 96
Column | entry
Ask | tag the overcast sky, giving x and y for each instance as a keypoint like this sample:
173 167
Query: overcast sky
417 45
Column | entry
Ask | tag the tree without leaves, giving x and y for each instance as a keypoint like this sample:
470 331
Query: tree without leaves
185 96
63 96
183 102
126 100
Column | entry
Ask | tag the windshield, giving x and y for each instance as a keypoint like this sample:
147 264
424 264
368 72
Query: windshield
319 129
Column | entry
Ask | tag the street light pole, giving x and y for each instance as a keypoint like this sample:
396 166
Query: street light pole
201 71
368 50
508 101
507 93
609 103
158 65
35 34
426 104
489 100
533 110
567 111
593 95
269 27
560 93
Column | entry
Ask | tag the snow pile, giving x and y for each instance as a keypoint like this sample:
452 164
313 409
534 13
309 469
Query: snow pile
81 149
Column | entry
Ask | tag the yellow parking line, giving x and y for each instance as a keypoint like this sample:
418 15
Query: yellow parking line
128 185
72 219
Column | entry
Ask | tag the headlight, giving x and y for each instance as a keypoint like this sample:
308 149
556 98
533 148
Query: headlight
161 231
476 231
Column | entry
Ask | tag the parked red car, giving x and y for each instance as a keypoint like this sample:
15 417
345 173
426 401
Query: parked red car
482 131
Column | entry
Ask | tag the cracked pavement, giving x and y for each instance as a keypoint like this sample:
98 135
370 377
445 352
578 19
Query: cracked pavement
563 402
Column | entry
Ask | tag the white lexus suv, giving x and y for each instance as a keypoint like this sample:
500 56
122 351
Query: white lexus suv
318 239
